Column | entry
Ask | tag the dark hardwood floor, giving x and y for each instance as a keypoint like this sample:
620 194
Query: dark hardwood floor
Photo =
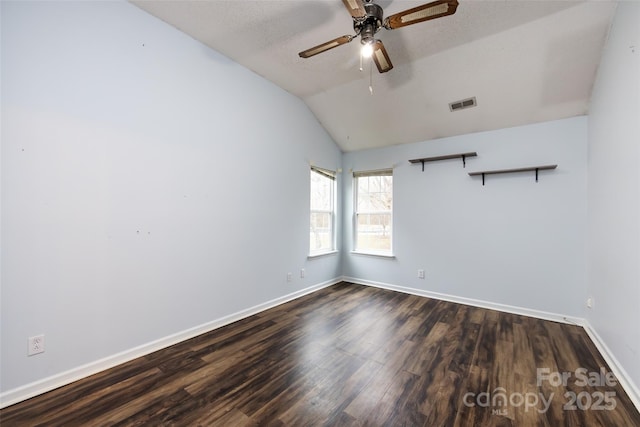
351 355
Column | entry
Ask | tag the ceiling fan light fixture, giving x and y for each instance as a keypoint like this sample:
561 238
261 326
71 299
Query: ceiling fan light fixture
367 49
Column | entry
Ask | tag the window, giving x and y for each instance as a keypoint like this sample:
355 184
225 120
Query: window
322 219
373 207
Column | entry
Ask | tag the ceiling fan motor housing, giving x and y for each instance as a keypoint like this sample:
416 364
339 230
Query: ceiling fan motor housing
368 26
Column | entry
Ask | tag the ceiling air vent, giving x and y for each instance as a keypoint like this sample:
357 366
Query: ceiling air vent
462 104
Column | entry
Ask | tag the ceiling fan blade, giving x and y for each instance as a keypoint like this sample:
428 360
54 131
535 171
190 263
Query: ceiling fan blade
325 46
381 58
433 10
355 8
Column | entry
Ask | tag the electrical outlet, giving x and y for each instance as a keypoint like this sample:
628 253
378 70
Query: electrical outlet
36 345
289 277
421 274
302 273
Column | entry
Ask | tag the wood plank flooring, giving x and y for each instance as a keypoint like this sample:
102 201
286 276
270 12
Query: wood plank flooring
351 355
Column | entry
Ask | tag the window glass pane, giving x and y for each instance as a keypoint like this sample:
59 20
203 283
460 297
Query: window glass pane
362 191
374 200
374 184
374 232
321 192
321 236
322 202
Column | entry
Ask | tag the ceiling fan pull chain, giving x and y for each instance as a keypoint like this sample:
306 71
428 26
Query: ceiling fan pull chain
371 77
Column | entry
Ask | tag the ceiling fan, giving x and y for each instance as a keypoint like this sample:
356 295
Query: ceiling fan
368 20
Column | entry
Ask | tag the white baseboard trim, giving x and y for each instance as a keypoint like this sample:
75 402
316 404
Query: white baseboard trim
33 389
629 387
471 301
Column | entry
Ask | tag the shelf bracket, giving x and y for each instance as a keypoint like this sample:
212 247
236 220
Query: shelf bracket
464 160
482 178
537 169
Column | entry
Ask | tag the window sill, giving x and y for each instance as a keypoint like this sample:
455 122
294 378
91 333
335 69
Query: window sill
376 254
321 254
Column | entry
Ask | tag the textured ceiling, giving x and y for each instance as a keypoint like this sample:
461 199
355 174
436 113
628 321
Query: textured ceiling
524 61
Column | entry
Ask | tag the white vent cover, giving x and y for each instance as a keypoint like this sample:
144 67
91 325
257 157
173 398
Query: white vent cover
462 104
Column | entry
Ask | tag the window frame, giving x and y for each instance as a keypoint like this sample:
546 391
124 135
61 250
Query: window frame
331 175
356 213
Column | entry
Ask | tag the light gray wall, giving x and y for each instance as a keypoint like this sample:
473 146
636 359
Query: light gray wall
149 185
614 193
512 241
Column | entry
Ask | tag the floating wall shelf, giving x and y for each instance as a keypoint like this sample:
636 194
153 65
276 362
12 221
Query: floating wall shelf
527 169
462 156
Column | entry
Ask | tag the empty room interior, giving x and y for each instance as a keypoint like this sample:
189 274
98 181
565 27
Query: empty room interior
228 213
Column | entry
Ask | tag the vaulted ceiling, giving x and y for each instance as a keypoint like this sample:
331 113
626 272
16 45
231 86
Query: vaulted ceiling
524 61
